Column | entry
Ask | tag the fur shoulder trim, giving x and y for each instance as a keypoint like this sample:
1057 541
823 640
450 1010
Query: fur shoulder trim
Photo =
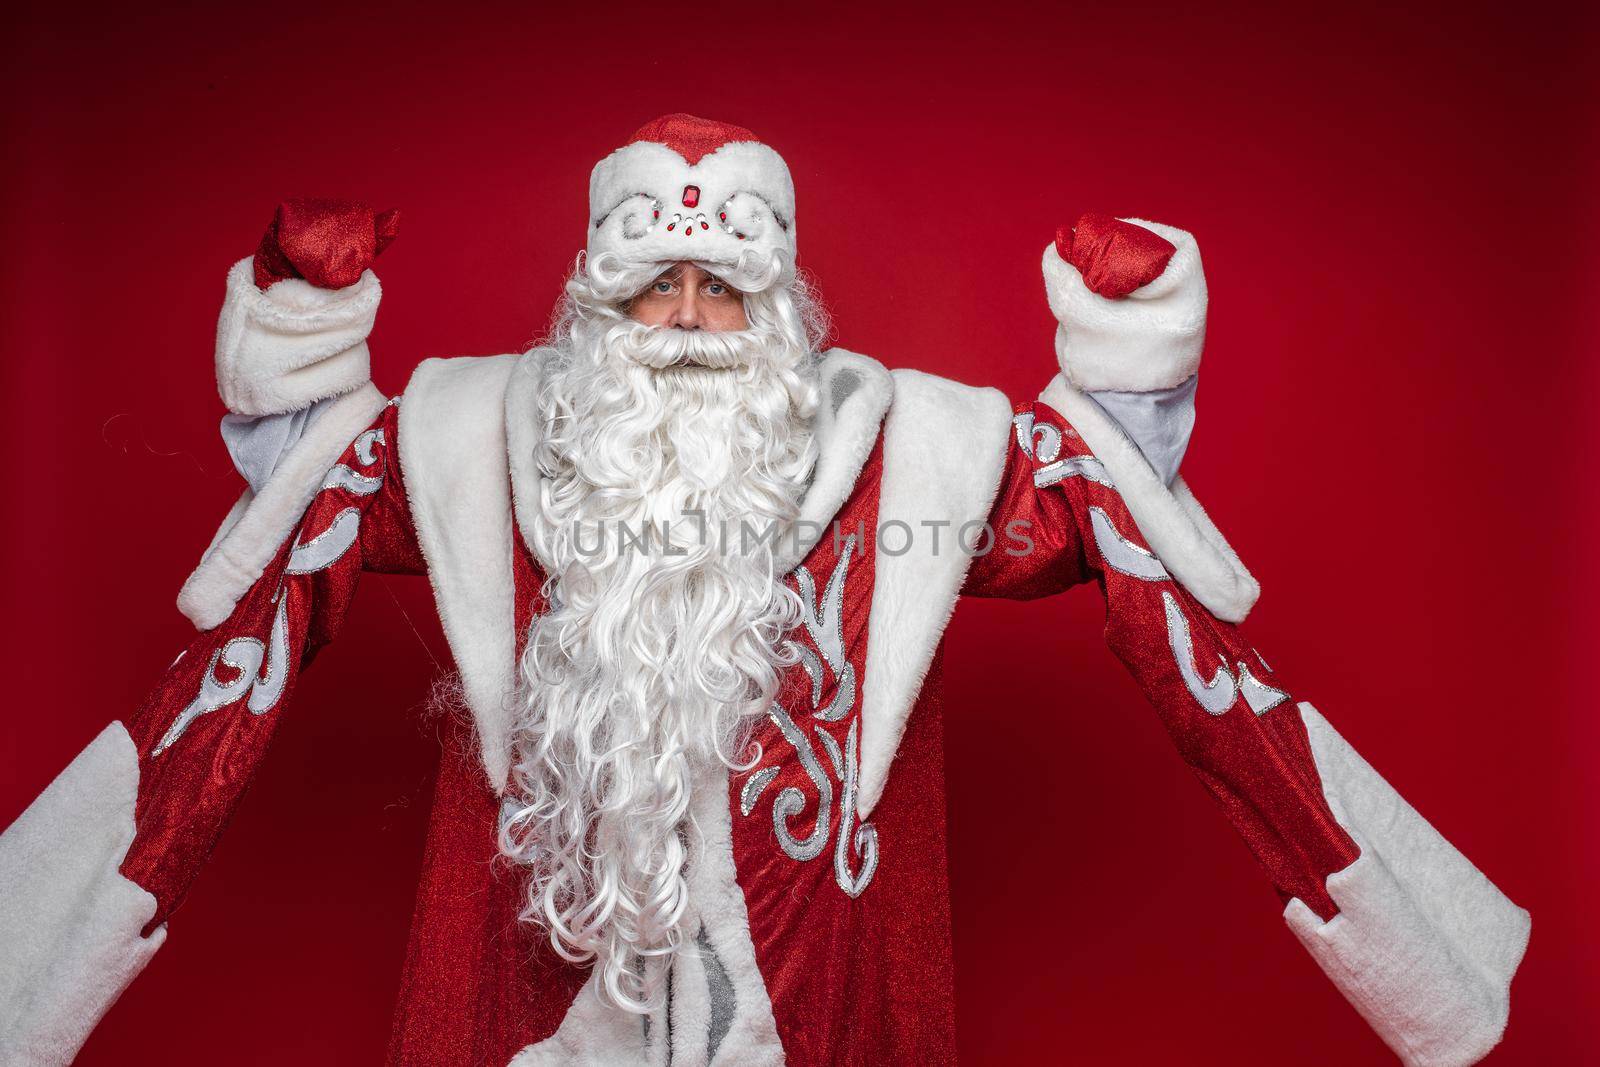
453 451
255 528
1173 523
944 449
286 348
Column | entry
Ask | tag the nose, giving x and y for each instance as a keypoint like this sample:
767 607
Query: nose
686 314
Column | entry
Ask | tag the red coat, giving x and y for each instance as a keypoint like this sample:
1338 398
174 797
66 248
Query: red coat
817 878
852 944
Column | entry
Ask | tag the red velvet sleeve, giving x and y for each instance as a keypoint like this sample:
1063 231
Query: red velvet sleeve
1059 521
202 732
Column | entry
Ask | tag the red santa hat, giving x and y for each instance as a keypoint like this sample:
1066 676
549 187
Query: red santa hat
687 188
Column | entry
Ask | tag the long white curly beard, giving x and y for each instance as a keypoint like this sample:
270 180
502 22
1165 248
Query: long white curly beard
650 663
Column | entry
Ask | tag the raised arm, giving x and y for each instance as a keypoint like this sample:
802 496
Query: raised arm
91 871
1419 941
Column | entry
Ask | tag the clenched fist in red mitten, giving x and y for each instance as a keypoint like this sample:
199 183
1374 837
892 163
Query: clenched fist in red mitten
326 242
1114 257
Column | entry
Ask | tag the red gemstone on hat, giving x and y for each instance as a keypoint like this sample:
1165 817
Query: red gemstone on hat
704 225
691 195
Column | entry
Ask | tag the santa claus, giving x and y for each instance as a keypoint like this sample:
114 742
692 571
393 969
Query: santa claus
695 571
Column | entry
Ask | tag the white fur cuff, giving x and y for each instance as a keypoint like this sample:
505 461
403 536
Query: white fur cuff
286 348
1424 946
1151 339
70 923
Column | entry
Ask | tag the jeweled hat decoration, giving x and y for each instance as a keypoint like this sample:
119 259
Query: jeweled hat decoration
687 188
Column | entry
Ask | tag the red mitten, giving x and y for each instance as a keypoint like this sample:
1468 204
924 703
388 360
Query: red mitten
1114 257
326 242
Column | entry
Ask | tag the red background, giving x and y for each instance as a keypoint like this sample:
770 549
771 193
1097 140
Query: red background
1394 212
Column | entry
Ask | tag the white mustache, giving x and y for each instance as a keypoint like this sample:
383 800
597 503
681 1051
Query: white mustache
658 348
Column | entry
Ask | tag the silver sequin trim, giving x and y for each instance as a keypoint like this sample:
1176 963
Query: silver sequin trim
247 656
792 802
813 666
341 477
364 446
834 755
269 685
1073 467
1022 424
1261 697
754 786
866 835
1215 696
844 697
1121 554
243 654
1039 440
824 619
324 550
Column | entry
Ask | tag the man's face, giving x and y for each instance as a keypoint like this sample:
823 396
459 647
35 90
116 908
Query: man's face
684 297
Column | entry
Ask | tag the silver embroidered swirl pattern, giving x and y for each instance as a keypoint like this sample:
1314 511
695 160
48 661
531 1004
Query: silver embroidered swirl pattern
1041 442
855 843
261 668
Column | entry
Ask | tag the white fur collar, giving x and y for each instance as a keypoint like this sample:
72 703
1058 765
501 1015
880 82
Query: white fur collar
856 392
460 414
944 450
452 435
